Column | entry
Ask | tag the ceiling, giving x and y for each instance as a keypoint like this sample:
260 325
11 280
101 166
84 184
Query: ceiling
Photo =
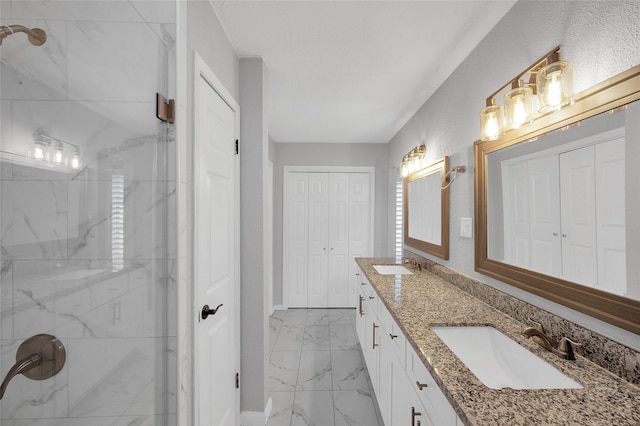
353 71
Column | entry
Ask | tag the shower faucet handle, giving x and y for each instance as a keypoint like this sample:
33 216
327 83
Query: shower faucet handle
38 358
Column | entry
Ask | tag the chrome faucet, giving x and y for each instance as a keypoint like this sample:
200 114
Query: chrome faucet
564 348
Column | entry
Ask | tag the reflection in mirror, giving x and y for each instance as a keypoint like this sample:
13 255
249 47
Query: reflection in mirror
426 210
557 204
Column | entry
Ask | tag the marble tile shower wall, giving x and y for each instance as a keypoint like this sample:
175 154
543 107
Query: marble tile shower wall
613 356
93 84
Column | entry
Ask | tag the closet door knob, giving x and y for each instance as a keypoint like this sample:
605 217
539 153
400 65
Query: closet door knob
206 311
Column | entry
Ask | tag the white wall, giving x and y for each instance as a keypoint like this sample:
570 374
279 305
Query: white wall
317 154
600 38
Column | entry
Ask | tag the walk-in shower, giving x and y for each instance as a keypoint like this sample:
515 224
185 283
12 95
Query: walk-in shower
87 209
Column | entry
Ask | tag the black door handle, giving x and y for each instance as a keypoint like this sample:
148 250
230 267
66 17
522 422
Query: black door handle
206 311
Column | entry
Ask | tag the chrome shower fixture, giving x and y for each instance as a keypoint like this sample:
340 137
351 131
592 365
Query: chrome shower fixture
36 36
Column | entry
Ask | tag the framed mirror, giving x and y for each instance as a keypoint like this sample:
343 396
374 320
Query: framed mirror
557 204
426 210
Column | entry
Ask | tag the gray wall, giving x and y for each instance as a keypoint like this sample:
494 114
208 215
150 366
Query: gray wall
314 154
253 158
600 38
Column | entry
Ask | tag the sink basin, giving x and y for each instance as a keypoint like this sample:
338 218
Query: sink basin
500 362
392 270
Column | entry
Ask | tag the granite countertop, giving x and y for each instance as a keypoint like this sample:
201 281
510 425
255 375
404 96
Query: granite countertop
423 300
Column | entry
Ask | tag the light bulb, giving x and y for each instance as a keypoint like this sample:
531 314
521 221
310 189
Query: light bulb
75 160
492 128
58 155
554 94
491 122
403 170
38 152
519 113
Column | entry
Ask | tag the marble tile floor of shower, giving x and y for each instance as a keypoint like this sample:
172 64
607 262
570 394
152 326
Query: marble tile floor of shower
317 375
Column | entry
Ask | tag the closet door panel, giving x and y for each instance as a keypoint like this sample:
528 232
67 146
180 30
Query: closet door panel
297 235
338 284
610 211
577 183
318 240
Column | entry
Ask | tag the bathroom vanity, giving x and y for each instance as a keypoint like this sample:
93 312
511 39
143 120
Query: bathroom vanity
418 380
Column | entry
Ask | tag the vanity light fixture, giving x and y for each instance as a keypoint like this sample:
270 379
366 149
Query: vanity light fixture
413 160
49 149
550 78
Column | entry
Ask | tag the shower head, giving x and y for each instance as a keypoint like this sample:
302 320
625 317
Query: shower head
37 36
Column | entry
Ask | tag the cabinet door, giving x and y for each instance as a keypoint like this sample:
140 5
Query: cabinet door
361 313
318 240
297 226
387 364
338 283
371 343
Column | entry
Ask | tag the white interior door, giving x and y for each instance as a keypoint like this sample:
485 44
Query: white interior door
318 240
577 183
517 232
610 211
216 352
338 282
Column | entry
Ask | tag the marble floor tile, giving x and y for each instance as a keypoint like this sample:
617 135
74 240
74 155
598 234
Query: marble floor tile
317 317
315 371
348 371
343 337
354 408
316 338
341 316
283 370
289 338
282 409
310 409
295 317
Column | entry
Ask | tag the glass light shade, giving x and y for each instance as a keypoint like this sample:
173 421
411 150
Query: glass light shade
518 107
38 151
555 86
58 154
75 160
404 172
491 122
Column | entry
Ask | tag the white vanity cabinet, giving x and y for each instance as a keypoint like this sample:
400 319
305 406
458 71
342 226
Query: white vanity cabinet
406 393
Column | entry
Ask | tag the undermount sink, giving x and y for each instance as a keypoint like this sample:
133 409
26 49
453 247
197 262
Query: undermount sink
500 362
392 270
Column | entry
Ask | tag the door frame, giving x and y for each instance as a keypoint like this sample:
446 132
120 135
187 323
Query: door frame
202 70
287 171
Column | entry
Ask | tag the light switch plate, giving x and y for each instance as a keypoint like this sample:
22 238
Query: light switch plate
466 227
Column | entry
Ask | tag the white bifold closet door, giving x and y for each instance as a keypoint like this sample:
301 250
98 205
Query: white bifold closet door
327 224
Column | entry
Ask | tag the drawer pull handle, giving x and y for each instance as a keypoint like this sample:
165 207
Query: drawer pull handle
363 283
415 414
371 297
393 336
360 299
421 385
374 336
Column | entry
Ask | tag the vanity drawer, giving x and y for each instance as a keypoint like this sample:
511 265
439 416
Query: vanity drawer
432 398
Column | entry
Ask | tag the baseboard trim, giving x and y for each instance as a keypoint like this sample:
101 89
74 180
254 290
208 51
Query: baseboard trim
279 308
257 418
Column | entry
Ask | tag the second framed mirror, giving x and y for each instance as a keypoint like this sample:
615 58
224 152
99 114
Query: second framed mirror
426 210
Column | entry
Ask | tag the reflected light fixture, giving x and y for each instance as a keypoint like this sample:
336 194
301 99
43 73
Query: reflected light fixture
413 160
550 78
52 150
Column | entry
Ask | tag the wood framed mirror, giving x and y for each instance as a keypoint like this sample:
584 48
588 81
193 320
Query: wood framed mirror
426 210
557 204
